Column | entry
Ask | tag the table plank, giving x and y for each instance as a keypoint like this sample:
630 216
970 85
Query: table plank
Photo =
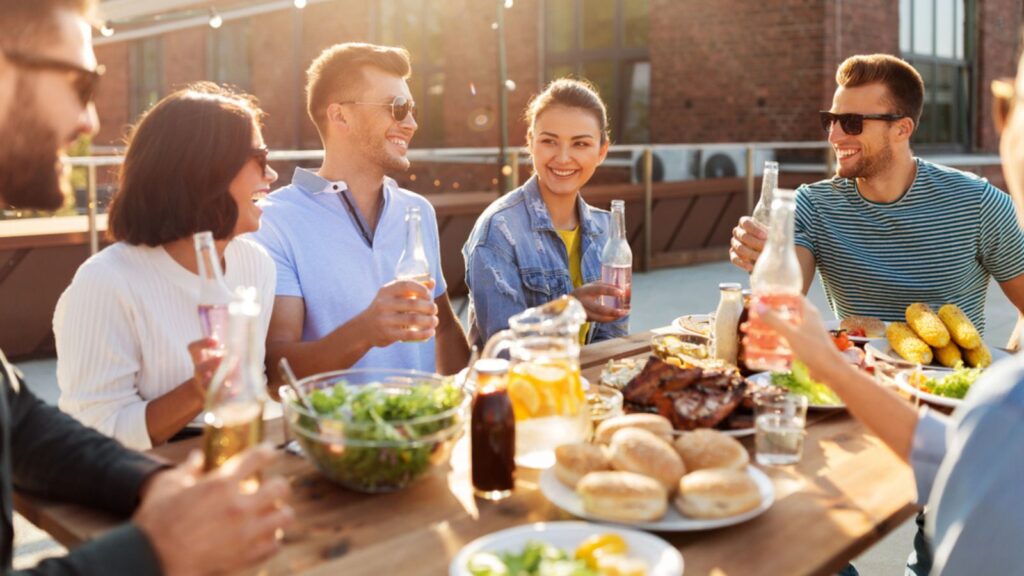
847 492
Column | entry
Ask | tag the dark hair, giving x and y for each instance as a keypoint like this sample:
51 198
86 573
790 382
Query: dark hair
29 24
906 89
570 93
181 158
338 71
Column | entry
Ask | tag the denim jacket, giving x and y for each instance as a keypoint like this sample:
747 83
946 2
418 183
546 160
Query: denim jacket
515 260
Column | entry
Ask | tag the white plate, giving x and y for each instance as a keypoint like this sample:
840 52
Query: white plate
662 559
882 350
738 433
567 499
709 319
765 379
836 325
903 382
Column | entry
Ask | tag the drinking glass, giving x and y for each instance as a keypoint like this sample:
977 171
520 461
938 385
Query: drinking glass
779 428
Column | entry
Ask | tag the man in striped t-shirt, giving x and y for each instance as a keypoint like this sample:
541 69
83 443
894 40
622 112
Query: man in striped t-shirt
891 229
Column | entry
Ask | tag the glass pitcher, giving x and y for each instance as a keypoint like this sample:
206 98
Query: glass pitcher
544 381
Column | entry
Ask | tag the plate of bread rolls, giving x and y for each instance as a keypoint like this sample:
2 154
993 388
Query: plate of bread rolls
640 472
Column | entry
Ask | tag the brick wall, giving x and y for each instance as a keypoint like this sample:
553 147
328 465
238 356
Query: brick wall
999 25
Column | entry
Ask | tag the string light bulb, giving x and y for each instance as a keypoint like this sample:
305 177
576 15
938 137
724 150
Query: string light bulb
215 19
106 30
300 4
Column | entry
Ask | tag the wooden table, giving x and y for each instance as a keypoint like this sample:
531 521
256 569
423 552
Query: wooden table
847 493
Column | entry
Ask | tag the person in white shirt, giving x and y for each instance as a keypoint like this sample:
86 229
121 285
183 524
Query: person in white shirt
130 352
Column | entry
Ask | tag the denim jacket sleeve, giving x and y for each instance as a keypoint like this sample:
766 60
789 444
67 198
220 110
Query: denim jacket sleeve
495 291
602 331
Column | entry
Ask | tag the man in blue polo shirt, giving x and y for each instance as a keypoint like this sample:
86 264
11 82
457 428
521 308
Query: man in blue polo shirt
336 234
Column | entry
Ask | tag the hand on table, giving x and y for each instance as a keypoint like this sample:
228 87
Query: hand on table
202 524
590 295
401 311
748 238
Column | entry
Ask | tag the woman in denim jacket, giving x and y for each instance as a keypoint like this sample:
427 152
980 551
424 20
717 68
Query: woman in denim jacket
542 240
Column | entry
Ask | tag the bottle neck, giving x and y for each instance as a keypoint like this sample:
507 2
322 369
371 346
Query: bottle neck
413 236
618 224
239 377
780 233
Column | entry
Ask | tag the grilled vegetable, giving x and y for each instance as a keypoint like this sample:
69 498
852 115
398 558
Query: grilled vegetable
979 357
949 355
906 343
960 327
927 325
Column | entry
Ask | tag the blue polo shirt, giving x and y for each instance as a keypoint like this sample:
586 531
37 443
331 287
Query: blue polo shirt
326 256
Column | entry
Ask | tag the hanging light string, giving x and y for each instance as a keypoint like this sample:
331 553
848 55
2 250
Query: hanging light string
122 29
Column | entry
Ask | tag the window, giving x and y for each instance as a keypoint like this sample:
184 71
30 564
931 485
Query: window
227 56
605 43
416 25
145 60
934 39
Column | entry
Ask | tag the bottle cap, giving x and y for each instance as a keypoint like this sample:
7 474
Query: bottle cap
730 286
491 366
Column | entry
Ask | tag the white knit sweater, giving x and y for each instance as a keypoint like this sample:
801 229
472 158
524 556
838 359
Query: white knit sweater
123 327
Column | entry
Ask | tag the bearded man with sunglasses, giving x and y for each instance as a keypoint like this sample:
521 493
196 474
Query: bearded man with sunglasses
337 233
891 229
183 521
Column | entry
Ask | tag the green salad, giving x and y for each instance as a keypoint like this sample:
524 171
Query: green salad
798 381
366 440
954 385
536 559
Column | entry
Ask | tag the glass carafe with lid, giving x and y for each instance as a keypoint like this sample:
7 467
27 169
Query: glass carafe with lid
544 381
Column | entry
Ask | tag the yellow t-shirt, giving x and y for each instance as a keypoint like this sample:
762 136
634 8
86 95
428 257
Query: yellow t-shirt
571 238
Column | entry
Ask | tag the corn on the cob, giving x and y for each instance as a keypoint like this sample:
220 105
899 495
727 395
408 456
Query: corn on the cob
960 327
927 325
948 355
906 343
979 357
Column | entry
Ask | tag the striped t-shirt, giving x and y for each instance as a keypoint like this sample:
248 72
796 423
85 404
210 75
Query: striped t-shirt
939 243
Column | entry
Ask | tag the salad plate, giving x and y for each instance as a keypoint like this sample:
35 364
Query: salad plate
662 558
567 499
904 382
764 379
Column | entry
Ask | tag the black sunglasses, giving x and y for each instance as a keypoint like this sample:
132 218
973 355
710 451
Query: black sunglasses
85 81
401 107
853 124
1005 98
261 155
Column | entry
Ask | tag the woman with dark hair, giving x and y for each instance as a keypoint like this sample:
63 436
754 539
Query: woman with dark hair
128 360
543 240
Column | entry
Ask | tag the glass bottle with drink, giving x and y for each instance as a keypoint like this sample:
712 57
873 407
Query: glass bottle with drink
769 182
617 260
493 432
777 283
413 264
233 419
214 294
727 318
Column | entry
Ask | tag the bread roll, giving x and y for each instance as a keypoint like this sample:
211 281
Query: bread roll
574 461
622 497
717 493
640 451
655 423
703 448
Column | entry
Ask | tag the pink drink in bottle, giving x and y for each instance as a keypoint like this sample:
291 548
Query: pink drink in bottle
214 295
776 282
617 260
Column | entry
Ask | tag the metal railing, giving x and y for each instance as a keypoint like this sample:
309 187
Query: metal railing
513 158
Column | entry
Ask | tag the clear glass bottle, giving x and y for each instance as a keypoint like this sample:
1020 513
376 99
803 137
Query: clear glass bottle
214 294
727 318
769 182
233 419
413 264
493 432
617 260
776 282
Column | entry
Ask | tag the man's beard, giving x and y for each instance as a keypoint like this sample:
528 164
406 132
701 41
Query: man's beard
869 166
375 150
30 177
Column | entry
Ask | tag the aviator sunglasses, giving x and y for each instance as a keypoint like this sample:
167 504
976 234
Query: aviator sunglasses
401 107
85 81
853 124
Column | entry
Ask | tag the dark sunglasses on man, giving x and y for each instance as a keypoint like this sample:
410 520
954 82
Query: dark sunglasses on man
1004 99
401 107
84 83
853 124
